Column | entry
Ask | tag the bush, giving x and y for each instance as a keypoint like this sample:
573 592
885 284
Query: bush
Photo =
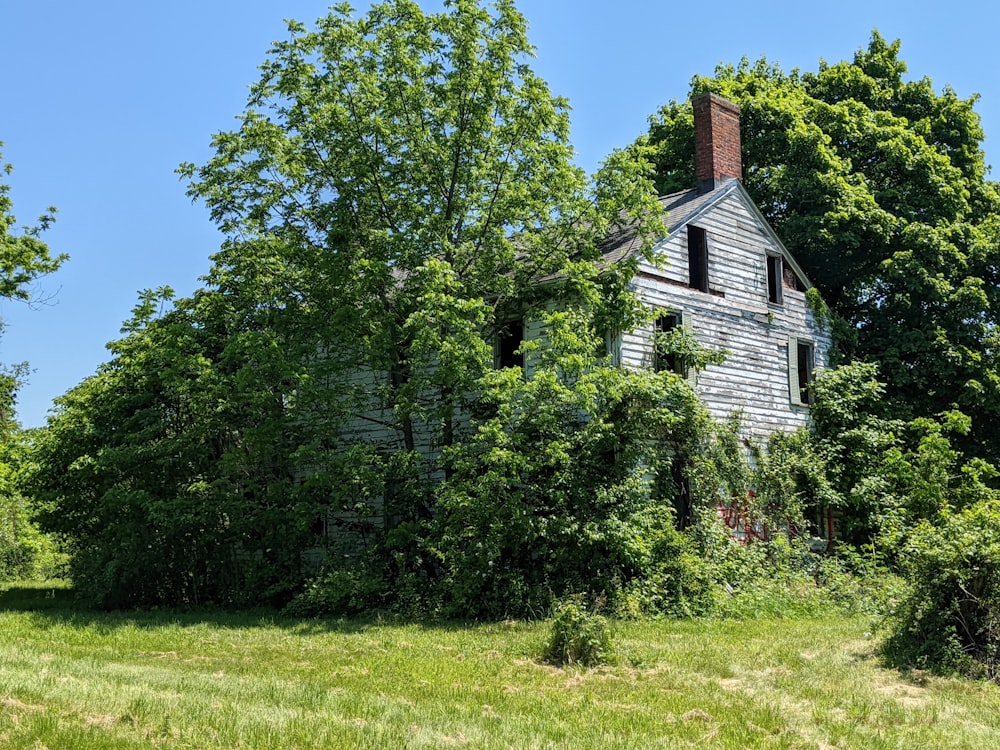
578 637
948 619
351 590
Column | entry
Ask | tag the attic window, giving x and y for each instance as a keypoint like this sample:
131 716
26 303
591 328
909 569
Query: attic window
507 345
775 279
801 363
697 258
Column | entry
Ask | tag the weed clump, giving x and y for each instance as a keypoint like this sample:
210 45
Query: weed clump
578 637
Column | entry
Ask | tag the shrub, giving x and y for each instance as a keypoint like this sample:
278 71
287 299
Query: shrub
948 619
578 637
551 492
348 591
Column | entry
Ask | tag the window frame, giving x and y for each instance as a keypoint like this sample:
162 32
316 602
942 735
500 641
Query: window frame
680 318
508 331
697 251
801 366
774 271
612 347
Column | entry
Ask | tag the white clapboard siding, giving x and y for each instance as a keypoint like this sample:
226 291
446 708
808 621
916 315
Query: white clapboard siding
734 315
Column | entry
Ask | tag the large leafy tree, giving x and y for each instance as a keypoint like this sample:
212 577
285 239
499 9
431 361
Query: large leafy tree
170 468
878 185
407 182
400 188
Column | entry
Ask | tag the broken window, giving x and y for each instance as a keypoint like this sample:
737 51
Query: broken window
801 363
697 258
507 345
792 280
666 360
672 348
775 279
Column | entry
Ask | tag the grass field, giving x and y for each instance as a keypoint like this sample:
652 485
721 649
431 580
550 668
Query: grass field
81 680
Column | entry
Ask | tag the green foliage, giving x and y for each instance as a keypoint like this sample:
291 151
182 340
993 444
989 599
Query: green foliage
880 476
170 469
397 189
577 637
949 616
552 493
878 186
25 552
24 257
781 578
681 344
349 590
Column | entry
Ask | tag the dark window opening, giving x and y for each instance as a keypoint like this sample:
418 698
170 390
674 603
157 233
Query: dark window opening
697 258
509 339
804 362
666 361
775 279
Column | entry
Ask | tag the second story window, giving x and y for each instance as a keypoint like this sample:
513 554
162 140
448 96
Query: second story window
664 360
801 363
697 258
775 279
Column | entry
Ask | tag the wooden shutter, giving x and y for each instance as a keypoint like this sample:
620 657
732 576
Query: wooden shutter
613 345
794 387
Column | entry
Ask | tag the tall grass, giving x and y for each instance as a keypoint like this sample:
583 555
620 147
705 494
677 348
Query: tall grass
81 680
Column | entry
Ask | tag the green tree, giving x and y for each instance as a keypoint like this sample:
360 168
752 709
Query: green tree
24 258
171 468
878 185
413 181
399 190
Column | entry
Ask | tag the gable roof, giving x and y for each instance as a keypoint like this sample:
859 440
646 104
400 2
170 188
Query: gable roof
686 207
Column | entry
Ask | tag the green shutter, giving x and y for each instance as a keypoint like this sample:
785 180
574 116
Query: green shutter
794 387
613 345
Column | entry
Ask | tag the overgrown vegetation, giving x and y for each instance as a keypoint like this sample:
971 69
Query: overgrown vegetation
949 618
578 637
326 428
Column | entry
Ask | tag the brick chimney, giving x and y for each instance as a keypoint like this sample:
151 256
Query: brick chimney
717 154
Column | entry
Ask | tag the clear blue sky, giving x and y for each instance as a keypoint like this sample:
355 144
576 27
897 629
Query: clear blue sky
102 100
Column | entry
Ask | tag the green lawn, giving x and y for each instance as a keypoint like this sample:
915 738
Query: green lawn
82 680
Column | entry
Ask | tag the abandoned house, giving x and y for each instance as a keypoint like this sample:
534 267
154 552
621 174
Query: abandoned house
723 274
730 280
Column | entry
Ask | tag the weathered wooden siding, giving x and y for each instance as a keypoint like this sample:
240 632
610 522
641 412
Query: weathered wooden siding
735 315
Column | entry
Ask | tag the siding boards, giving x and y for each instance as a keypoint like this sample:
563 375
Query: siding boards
736 317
